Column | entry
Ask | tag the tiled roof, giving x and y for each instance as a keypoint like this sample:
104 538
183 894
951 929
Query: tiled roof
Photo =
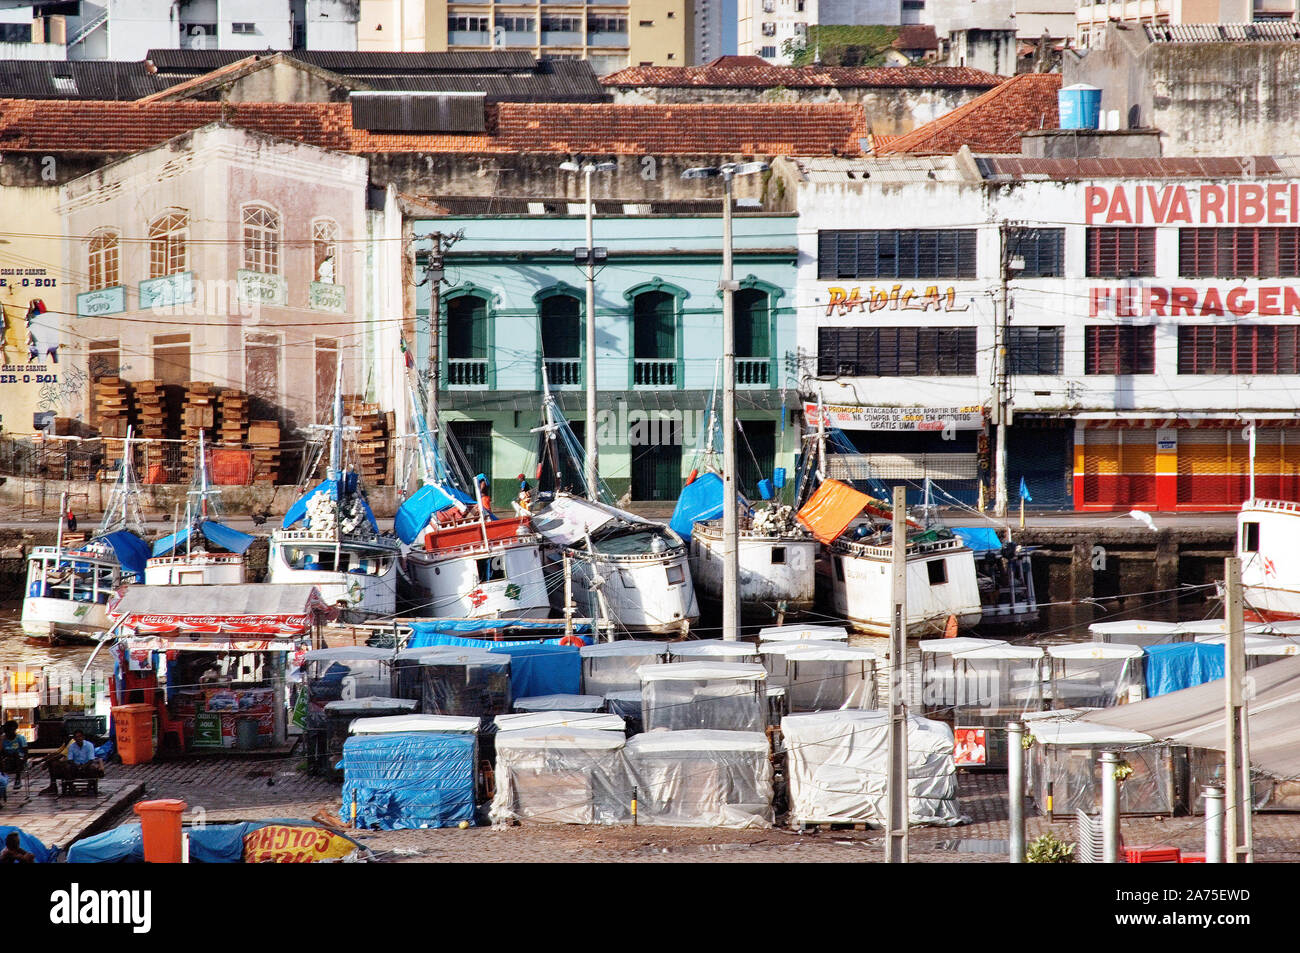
693 129
990 123
1267 31
754 72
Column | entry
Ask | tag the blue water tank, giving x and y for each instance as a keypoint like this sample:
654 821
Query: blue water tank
1079 106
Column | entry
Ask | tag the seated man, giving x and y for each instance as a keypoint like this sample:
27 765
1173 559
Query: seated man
13 852
78 764
13 753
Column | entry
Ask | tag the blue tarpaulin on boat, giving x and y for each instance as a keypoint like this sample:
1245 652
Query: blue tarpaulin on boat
43 854
700 499
1181 665
981 539
331 489
132 551
409 781
216 533
209 844
542 669
460 632
414 514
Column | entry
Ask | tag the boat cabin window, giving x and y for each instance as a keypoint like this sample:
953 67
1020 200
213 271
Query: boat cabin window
490 568
1250 537
938 570
676 576
778 555
839 568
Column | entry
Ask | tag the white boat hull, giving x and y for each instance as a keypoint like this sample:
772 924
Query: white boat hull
1270 559
196 569
860 588
452 587
641 594
775 572
61 618
361 596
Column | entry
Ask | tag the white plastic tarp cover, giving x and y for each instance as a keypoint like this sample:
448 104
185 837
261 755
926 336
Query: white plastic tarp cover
714 648
1096 675
563 776
793 633
400 724
837 763
559 703
681 696
826 679
997 684
567 719
612 666
702 778
773 656
1066 755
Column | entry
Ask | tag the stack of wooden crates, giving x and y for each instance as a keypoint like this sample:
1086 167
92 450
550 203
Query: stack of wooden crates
264 438
372 439
199 416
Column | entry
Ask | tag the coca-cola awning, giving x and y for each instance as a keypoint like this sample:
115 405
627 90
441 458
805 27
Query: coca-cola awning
210 616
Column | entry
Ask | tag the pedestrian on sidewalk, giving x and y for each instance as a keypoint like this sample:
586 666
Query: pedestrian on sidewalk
13 753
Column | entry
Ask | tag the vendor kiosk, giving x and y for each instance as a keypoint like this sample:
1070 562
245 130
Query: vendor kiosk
718 650
829 678
728 696
212 660
1096 675
1064 763
994 685
611 666
939 673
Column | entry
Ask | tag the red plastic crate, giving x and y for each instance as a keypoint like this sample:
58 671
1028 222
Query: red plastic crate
1191 858
1151 854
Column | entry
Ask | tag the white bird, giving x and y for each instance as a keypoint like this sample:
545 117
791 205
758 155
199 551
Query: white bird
1144 518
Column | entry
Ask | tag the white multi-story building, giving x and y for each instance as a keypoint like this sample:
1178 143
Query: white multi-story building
129 29
765 26
1091 18
1148 319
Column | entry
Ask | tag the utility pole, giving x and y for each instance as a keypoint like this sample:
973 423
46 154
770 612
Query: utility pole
896 800
588 256
730 494
1236 751
433 273
1001 409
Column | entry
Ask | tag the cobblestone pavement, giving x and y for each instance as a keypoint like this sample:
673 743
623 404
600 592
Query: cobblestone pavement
236 788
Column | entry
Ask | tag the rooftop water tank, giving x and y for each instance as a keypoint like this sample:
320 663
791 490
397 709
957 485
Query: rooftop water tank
1079 106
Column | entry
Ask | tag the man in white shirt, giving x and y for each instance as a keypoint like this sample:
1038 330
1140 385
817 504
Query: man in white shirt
78 763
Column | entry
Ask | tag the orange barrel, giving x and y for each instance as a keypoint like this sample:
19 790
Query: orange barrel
160 828
134 726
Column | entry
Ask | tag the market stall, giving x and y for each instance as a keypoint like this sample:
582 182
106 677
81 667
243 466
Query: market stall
795 633
560 703
562 775
1096 674
1139 632
421 772
1065 763
466 681
702 778
611 666
627 705
837 768
212 660
939 672
596 720
728 696
716 649
995 684
1260 649
773 656
826 678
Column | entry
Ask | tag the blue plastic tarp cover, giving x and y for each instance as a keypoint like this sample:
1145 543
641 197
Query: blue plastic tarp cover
542 669
209 844
700 500
981 539
219 535
33 846
409 781
1181 665
459 632
414 514
132 551
331 489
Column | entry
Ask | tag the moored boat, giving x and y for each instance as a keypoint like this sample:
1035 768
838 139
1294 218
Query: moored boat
1268 544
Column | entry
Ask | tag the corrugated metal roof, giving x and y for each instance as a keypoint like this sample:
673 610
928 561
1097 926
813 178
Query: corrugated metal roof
1008 168
552 206
418 112
342 61
1269 31
77 79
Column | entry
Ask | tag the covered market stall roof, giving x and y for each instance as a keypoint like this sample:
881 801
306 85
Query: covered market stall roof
216 617
1194 717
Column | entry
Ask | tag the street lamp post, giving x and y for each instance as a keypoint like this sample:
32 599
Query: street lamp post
730 495
589 257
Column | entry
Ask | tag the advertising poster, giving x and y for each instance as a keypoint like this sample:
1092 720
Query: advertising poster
969 748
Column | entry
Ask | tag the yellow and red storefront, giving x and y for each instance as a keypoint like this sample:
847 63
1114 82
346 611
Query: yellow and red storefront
1185 463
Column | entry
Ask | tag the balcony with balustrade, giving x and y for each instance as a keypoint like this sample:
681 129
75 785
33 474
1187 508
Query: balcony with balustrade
467 373
654 372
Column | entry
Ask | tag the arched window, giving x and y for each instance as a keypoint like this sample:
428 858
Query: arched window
325 251
261 239
168 243
752 316
102 265
654 339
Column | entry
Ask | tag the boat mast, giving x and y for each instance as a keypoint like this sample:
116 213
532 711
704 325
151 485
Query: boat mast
335 471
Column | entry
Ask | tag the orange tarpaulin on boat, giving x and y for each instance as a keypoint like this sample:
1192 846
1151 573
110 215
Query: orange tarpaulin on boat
832 508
